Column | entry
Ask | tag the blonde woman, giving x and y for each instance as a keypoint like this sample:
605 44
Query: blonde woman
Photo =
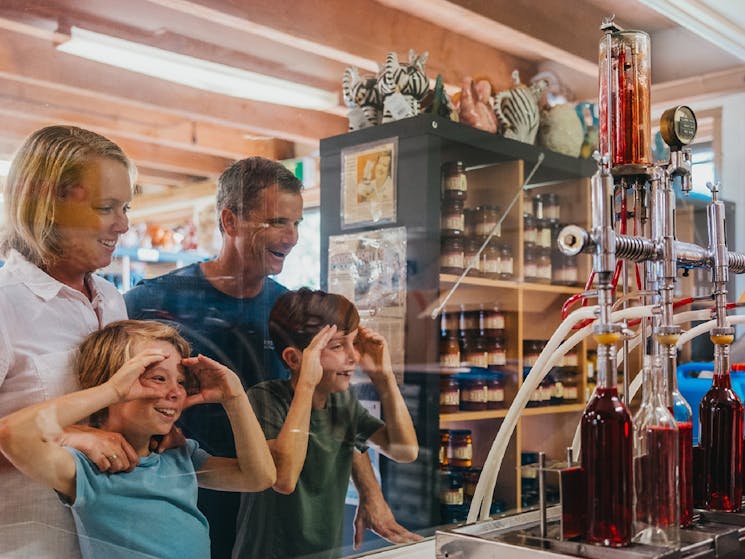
66 200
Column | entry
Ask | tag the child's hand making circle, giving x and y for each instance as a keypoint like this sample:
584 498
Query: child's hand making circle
217 383
126 381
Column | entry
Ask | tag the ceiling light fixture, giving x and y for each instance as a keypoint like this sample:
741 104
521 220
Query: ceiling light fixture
194 72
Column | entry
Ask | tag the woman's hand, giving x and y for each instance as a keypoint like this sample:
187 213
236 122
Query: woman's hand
126 381
311 371
109 451
217 383
375 359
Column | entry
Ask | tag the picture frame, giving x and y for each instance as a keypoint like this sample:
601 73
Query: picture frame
369 184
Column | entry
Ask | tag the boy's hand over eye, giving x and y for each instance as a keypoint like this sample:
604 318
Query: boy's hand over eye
311 371
217 383
375 359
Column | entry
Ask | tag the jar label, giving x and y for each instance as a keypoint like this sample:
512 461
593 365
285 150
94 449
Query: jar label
451 260
494 322
461 452
544 271
453 221
543 238
474 395
450 360
477 359
449 398
530 235
530 270
496 395
570 393
506 266
497 358
490 266
558 391
484 229
452 496
570 360
456 182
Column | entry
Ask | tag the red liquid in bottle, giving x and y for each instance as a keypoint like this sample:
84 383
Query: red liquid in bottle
607 454
721 441
655 477
685 452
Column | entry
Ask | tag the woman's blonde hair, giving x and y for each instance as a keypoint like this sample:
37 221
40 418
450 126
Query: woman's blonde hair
103 352
50 161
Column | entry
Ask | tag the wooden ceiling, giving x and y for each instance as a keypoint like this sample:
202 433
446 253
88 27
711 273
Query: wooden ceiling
180 136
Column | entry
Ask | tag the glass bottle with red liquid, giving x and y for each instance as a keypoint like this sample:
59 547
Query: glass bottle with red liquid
607 453
721 414
684 417
656 502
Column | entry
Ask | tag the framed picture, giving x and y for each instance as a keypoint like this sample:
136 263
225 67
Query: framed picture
368 183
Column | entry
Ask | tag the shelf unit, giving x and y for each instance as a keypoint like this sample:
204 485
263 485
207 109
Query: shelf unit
496 167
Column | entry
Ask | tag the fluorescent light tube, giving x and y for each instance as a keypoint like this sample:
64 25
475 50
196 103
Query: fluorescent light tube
194 72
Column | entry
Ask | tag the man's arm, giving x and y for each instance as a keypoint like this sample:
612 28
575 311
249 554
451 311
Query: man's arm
373 512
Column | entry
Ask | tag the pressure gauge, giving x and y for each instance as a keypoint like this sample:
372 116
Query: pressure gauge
678 126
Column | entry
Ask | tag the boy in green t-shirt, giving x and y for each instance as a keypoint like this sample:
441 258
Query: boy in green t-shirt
313 423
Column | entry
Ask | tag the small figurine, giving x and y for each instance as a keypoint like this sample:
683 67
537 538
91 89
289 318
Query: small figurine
475 108
517 110
402 86
362 96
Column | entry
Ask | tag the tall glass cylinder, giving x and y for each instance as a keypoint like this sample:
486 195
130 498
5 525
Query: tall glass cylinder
625 120
721 414
655 463
607 453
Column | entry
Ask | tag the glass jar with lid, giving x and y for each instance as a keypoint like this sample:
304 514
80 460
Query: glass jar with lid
546 206
449 394
491 321
451 256
506 262
452 223
461 448
449 350
472 247
468 322
451 488
454 177
444 444
469 221
473 392
496 354
530 229
543 233
474 351
490 260
494 392
564 269
486 220
530 265
543 266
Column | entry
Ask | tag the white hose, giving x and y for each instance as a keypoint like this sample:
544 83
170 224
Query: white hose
548 358
490 471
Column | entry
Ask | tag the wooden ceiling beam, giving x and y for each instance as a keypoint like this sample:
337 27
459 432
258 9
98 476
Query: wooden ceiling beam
151 155
363 32
20 99
27 60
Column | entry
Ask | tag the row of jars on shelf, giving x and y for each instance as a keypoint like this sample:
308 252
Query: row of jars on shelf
496 261
471 392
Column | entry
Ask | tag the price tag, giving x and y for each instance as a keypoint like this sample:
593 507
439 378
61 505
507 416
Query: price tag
397 105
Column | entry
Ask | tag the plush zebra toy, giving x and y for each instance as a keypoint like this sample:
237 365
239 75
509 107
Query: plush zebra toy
402 86
362 96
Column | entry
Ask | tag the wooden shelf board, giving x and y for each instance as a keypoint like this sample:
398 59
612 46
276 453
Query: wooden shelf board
499 414
449 279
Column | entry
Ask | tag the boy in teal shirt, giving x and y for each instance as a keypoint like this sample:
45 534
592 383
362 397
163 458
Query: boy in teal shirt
313 423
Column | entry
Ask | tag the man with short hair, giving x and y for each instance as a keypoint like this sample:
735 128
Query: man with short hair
222 307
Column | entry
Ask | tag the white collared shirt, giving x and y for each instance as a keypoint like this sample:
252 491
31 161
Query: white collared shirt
42 322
